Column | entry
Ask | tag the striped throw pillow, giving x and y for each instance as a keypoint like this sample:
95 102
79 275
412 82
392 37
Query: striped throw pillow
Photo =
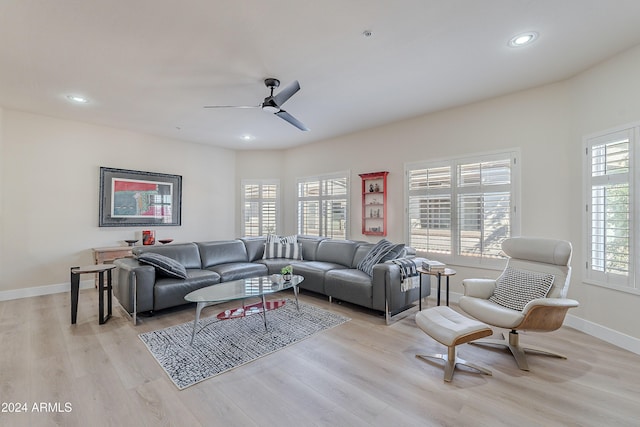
274 238
282 250
375 255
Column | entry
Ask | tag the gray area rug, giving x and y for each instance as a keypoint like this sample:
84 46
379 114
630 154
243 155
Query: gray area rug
221 345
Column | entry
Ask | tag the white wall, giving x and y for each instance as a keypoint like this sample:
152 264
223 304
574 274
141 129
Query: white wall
49 179
546 124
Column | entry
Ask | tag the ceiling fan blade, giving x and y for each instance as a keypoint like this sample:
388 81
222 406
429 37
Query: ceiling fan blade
287 93
232 106
289 118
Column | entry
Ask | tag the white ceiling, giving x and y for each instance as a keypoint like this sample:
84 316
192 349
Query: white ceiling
151 65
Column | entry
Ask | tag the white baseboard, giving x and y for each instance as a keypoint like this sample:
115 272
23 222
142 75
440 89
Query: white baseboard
611 336
43 290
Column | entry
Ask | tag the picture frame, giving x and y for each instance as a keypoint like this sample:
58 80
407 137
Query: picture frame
130 198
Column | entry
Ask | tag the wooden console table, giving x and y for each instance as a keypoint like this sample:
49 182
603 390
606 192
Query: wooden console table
108 254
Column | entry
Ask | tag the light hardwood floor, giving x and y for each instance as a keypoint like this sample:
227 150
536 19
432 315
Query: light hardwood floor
362 373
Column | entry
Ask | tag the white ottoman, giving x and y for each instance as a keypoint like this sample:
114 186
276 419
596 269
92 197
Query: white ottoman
451 328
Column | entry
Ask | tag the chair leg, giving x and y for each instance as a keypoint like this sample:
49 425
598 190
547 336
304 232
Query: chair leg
451 360
518 351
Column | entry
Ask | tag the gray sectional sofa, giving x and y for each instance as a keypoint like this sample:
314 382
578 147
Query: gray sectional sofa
329 267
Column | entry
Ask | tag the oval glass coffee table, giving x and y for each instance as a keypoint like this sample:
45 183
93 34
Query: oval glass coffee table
252 287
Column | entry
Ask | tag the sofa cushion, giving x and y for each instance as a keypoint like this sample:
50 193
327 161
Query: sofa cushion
375 256
310 246
170 292
515 288
222 252
164 264
186 254
336 251
254 246
282 250
239 270
313 273
274 265
351 285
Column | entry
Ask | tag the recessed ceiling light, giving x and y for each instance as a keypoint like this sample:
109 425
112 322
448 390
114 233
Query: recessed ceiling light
247 137
77 99
523 39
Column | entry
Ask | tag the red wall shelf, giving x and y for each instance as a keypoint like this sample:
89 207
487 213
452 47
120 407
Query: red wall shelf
374 203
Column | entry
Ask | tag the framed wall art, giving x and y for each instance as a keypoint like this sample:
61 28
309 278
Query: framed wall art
130 198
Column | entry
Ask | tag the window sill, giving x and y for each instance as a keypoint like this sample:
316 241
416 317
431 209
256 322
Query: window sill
625 289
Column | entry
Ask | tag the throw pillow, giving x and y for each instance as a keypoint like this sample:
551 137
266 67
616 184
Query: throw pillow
274 238
375 255
396 252
166 265
282 250
515 288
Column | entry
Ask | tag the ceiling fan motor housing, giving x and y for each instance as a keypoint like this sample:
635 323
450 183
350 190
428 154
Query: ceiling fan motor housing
272 83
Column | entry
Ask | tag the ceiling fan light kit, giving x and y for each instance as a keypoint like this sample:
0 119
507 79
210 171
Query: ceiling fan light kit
273 104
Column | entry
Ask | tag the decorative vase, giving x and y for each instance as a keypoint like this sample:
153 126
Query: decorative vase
287 277
148 237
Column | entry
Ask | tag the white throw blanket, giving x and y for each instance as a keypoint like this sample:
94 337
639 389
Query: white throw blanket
409 277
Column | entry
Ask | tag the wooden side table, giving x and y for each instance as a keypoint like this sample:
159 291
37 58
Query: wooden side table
448 272
75 289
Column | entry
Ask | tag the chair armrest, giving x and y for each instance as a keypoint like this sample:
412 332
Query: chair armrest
550 302
545 314
479 288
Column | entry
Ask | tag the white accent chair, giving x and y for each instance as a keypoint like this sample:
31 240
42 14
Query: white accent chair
532 254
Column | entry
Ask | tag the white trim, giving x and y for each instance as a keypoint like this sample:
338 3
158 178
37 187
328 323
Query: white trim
37 291
611 336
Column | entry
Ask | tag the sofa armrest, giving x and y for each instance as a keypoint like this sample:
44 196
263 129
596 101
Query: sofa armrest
387 293
134 281
479 288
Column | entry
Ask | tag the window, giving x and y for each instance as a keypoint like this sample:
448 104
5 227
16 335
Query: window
460 210
260 207
610 194
322 205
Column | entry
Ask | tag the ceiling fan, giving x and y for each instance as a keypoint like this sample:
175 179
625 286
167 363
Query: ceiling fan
273 103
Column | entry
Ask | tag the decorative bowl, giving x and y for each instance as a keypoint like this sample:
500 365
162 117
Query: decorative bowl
165 241
131 242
